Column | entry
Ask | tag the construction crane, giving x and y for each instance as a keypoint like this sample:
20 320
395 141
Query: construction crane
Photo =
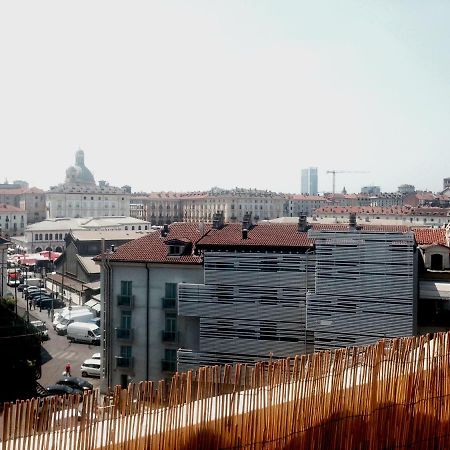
334 172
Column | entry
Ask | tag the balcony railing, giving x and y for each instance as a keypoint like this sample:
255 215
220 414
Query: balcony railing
124 362
168 366
125 300
169 303
125 334
169 336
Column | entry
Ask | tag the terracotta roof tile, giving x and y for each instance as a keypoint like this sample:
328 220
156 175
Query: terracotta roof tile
151 248
427 236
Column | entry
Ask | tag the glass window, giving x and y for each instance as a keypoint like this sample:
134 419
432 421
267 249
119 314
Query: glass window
125 320
125 351
125 288
170 355
171 323
171 290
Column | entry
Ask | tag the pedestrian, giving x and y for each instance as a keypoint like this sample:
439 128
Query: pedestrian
68 369
48 312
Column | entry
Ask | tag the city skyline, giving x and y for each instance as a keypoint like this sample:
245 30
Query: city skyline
184 97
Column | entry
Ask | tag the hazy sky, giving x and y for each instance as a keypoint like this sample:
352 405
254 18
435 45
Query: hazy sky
186 95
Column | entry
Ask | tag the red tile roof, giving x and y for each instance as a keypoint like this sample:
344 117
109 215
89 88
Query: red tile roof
151 248
427 236
10 208
266 234
385 210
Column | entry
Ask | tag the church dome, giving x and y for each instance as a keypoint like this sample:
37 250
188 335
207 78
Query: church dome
79 173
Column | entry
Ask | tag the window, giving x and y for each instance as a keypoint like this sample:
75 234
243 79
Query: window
170 355
40 236
36 237
125 320
125 288
437 261
50 237
125 351
174 250
171 290
46 236
126 227
171 323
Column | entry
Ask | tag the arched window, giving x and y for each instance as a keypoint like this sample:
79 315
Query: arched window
40 237
436 261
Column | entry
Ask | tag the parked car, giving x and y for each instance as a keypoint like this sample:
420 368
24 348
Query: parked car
42 328
48 303
61 389
96 356
76 383
21 287
90 367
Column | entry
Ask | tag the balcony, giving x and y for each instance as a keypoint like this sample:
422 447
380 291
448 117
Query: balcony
169 303
125 300
124 362
124 334
168 366
169 336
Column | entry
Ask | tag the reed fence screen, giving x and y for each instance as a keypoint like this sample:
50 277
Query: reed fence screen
394 394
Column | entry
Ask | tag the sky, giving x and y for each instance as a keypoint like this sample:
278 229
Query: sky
187 95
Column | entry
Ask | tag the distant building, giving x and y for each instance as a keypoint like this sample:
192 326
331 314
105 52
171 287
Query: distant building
80 196
50 234
371 190
309 181
446 183
406 189
161 208
305 204
32 200
13 220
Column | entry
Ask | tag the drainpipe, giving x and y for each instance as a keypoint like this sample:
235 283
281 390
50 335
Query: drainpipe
107 318
147 325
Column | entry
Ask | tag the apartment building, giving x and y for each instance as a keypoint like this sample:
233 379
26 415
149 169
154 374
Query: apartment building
275 290
13 220
141 329
404 215
31 200
305 204
167 207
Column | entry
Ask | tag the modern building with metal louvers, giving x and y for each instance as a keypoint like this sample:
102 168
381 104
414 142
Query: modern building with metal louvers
365 287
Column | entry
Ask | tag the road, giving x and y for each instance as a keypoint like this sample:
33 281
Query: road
57 351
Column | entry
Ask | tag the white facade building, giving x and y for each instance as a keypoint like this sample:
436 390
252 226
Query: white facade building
50 233
13 220
80 196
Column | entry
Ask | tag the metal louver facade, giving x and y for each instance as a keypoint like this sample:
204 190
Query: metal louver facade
251 307
365 288
357 287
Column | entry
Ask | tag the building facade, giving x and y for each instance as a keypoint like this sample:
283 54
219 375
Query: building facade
13 220
50 234
141 329
309 181
278 291
80 196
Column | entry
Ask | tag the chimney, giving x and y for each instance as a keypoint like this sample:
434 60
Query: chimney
165 230
352 222
244 233
247 221
218 220
113 248
302 223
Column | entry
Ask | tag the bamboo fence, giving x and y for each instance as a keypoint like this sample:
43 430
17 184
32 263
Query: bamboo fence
394 394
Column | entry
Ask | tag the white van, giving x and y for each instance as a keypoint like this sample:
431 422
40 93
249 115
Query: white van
75 316
66 312
83 332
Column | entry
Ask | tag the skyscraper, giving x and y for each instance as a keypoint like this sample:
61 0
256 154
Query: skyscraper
309 181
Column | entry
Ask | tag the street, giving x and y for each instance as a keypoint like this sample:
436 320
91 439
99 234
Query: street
57 351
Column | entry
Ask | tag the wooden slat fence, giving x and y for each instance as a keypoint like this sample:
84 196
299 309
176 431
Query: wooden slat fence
394 394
